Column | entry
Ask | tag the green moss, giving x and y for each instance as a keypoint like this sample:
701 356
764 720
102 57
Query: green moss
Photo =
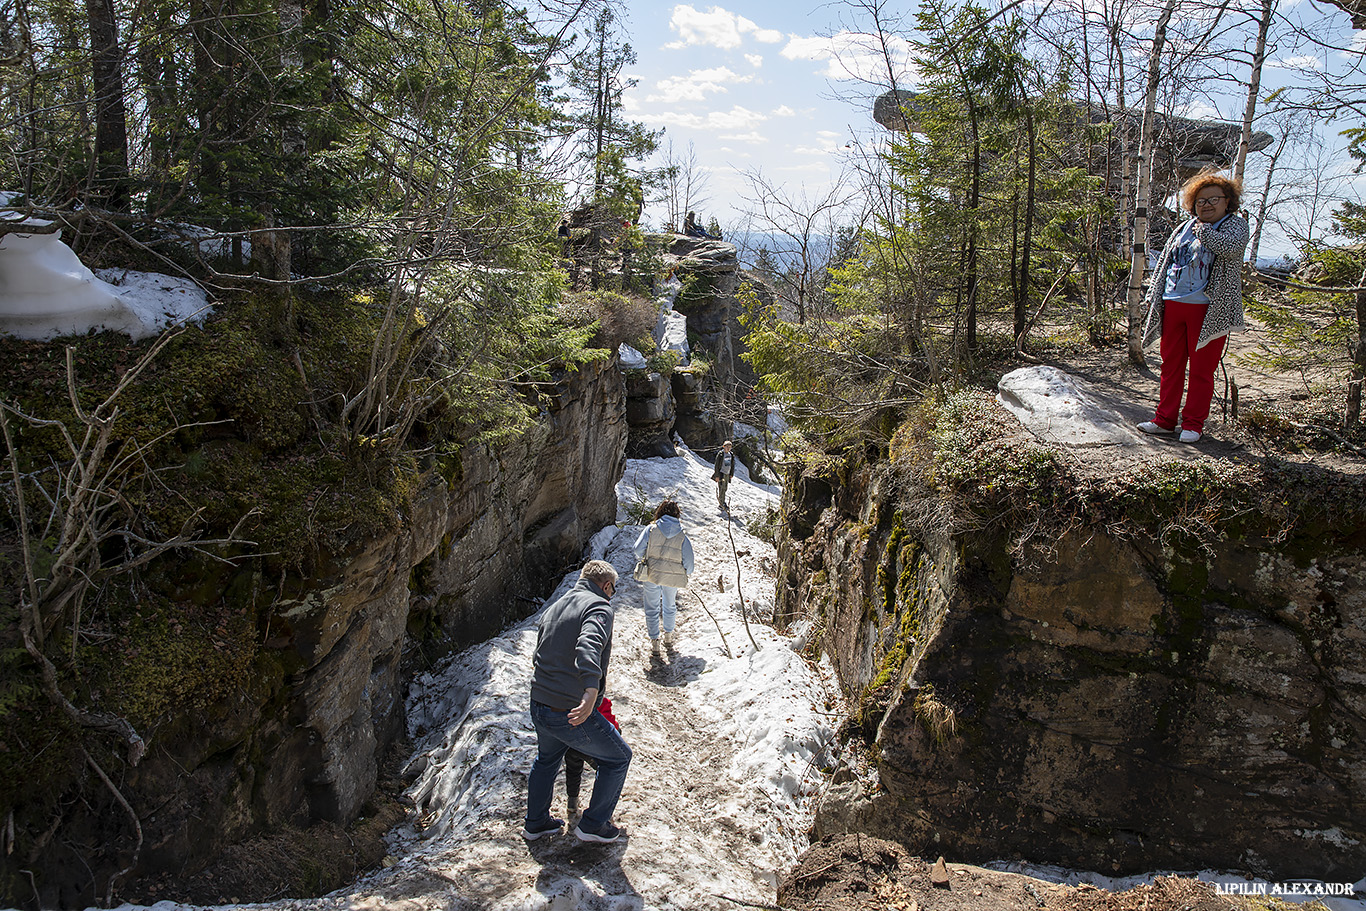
170 658
891 665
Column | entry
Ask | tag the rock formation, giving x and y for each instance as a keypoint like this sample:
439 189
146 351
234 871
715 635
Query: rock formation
1184 146
1121 691
303 741
701 309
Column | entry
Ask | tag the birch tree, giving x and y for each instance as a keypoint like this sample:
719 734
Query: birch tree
1139 261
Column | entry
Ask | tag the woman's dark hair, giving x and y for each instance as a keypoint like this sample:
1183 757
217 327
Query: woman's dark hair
1233 189
667 508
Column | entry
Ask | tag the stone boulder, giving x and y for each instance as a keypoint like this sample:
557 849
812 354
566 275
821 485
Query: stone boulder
650 412
710 271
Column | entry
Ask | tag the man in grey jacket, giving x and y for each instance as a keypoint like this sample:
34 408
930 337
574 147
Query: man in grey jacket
573 647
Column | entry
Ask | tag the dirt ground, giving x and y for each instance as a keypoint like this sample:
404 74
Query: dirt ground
1257 411
858 873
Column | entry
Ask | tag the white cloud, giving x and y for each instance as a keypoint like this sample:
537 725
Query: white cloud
807 48
737 118
716 27
755 60
1303 62
784 111
696 85
851 55
1200 110
751 137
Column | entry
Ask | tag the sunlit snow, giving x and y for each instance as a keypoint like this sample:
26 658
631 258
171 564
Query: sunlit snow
46 291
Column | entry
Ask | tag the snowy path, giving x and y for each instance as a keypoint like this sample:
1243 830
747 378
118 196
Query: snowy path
721 789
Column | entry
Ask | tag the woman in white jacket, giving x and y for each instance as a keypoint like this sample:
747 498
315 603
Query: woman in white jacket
664 561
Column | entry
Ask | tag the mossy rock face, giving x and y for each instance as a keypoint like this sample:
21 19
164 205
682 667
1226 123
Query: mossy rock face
1152 668
241 424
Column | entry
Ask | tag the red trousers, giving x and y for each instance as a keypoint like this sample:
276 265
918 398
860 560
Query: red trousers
1181 324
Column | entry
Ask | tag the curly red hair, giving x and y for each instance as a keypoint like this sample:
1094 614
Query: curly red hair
1233 189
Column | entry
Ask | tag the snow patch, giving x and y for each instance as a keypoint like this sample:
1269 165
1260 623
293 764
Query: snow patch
46 292
1056 407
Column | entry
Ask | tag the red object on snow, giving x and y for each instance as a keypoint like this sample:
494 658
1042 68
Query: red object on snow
605 707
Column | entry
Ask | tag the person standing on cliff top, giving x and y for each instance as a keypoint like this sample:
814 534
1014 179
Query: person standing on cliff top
1195 301
722 471
569 675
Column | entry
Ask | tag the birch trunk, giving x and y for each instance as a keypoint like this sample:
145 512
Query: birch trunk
1140 251
1254 84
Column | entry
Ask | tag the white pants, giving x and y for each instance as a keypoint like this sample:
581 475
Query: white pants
659 599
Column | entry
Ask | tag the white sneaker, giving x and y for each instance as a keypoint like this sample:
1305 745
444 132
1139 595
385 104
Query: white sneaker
1151 427
1190 436
669 640
654 648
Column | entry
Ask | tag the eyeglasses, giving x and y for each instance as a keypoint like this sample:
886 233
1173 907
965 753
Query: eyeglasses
1209 200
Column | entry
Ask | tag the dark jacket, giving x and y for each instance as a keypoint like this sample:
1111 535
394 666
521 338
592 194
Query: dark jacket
716 466
573 647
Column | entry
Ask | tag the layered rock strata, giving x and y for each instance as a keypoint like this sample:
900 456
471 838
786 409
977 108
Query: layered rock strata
1101 698
484 540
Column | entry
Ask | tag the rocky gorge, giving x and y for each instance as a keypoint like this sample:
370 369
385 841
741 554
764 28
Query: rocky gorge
1120 660
321 674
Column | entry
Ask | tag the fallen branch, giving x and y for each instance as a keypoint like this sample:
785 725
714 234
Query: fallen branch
749 904
1319 428
725 645
744 613
1298 286
137 827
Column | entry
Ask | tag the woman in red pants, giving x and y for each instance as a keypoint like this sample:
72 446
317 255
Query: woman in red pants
1195 301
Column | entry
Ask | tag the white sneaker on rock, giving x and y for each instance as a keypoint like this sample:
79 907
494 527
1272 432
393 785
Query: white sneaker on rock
1190 436
1153 427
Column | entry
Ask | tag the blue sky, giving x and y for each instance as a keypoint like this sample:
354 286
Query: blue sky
787 88
752 85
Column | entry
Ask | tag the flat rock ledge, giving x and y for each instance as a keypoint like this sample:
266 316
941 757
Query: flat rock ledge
1059 408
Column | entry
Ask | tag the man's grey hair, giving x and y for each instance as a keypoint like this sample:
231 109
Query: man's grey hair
598 571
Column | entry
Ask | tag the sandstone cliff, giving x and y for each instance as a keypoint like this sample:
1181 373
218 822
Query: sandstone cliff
683 401
488 531
1163 670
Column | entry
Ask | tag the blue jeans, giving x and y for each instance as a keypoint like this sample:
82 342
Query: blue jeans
595 738
659 599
